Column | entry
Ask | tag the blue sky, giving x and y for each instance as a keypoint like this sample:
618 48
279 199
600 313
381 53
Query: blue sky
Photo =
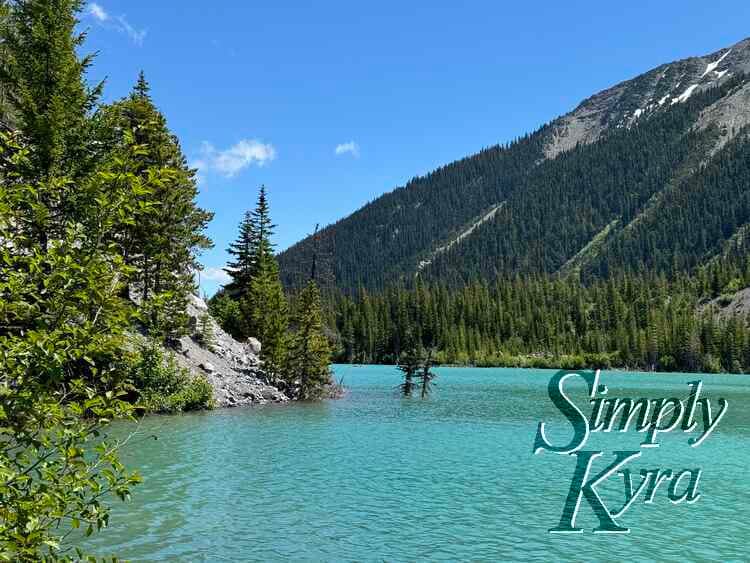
330 104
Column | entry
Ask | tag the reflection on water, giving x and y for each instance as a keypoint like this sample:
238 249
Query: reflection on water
376 477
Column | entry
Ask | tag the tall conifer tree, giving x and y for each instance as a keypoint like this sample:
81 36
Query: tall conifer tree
310 354
244 252
264 306
163 245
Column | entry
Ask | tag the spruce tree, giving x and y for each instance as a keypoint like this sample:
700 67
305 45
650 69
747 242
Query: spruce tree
409 366
266 309
163 246
264 306
43 81
263 225
244 250
310 354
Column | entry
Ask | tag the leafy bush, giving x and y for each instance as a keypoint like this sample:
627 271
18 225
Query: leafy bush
164 386
227 313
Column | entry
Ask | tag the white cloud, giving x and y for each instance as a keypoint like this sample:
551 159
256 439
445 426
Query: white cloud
98 12
120 23
351 147
136 35
215 274
231 161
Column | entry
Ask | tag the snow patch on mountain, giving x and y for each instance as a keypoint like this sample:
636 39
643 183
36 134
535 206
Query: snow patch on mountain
712 66
685 95
624 104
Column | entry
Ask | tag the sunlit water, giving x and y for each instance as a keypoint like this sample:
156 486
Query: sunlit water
374 477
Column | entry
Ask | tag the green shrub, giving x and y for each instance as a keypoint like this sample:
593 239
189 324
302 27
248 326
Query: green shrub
711 364
667 363
163 386
205 335
572 362
227 313
725 299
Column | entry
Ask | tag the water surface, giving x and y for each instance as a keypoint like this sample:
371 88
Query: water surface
374 477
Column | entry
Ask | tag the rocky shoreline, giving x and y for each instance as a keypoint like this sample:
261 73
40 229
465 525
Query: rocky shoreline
233 368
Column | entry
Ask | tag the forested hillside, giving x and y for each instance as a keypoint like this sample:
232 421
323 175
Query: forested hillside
617 185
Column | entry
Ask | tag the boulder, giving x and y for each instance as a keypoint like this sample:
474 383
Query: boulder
253 345
208 367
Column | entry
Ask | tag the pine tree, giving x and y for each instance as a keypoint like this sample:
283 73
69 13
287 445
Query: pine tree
254 273
426 376
266 309
164 244
264 227
409 366
310 354
42 77
43 82
245 253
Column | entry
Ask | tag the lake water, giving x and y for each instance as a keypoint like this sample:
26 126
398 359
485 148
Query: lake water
374 477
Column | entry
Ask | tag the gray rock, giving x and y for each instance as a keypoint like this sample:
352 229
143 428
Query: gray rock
232 368
626 103
254 346
208 367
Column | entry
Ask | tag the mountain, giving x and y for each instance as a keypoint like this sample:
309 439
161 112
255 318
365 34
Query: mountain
649 175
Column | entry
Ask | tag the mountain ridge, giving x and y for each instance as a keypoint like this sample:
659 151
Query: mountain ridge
429 226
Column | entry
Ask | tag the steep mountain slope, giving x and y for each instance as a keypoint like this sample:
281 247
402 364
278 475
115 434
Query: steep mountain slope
618 183
664 86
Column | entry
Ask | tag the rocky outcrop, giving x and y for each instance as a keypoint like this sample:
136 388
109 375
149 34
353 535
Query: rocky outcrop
736 305
630 101
231 367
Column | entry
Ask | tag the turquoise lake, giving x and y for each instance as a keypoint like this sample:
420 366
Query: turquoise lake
375 477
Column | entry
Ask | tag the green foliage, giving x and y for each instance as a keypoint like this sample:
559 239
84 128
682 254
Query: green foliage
711 364
164 386
267 311
426 376
227 313
92 204
56 467
417 369
308 366
409 365
205 335
42 77
667 363
244 251
163 245
253 242
254 303
61 335
640 322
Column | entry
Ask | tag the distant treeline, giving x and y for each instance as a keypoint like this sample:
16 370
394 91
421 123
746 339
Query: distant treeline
639 322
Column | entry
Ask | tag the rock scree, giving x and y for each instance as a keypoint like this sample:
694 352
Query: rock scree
232 368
